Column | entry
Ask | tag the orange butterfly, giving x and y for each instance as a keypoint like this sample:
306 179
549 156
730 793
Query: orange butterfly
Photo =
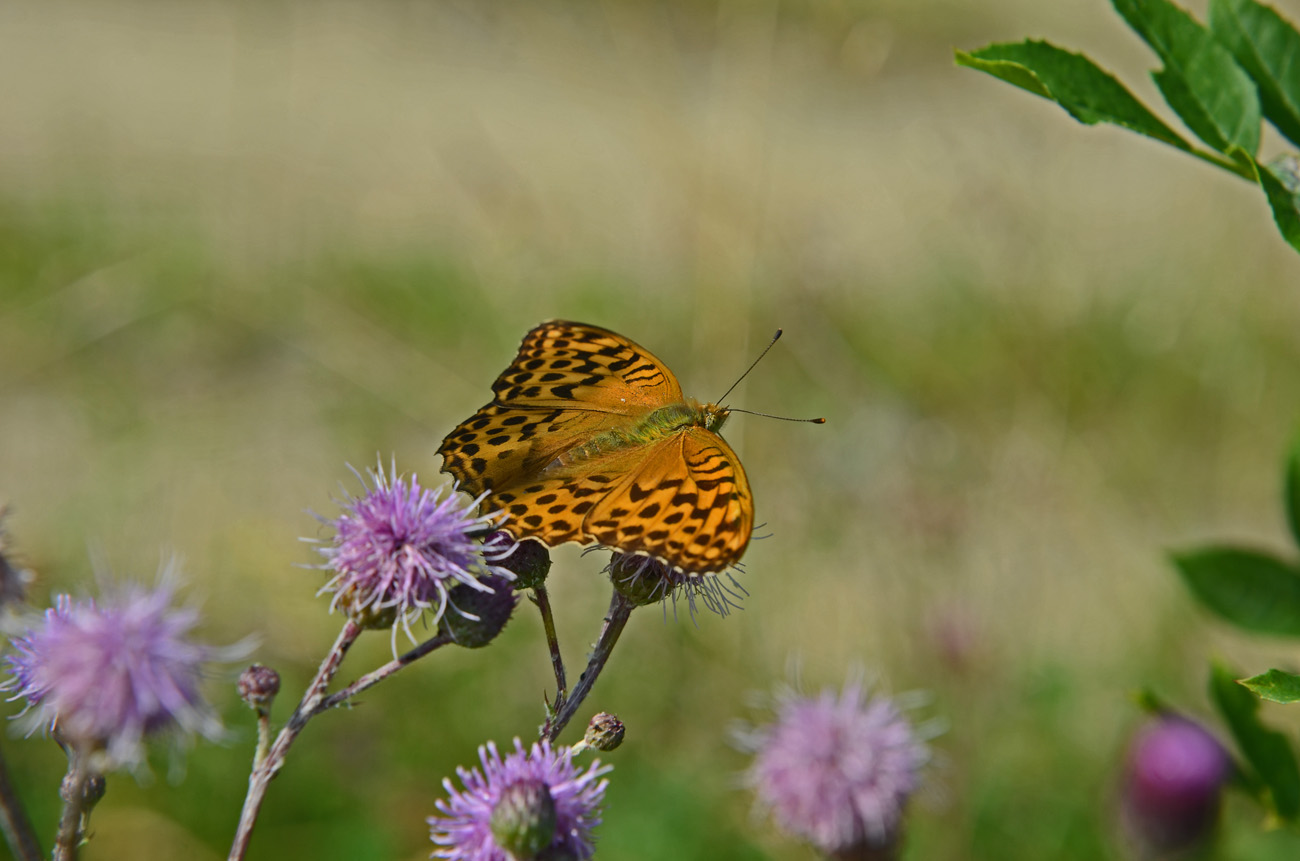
589 439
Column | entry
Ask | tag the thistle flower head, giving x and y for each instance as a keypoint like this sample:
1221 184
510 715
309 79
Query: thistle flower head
1175 777
837 769
398 549
104 675
505 791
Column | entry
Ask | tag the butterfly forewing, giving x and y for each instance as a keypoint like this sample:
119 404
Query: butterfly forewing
576 366
498 446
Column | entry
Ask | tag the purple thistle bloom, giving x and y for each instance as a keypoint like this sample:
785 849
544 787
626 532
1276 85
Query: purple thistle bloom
463 831
836 770
1175 777
104 675
399 549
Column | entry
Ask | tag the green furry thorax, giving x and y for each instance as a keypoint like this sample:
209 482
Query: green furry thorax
652 427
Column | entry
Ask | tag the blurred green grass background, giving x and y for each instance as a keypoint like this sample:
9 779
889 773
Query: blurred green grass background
244 244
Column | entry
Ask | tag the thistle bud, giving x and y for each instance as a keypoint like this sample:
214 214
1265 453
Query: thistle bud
474 617
640 579
605 732
529 561
258 686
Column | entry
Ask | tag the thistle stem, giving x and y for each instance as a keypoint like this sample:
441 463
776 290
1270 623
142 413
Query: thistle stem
376 676
542 599
260 778
77 804
620 610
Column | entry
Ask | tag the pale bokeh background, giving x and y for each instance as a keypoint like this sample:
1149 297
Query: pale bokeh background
244 244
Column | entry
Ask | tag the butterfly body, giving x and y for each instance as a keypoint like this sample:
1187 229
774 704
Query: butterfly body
653 427
590 439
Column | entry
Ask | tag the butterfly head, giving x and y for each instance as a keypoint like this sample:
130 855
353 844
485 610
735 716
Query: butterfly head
713 417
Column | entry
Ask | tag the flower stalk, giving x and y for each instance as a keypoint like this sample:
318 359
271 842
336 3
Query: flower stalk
542 598
620 610
263 772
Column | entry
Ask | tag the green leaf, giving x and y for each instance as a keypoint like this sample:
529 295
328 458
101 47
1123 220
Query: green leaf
1275 686
1201 81
1268 751
1086 91
1268 48
1292 489
1250 589
1279 180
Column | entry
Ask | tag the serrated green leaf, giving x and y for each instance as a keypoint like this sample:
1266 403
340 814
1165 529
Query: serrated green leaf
1267 46
1086 91
1250 589
1267 751
1201 81
1276 686
1278 180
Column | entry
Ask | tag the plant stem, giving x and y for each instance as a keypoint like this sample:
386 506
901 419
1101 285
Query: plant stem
270 765
542 599
77 804
376 676
620 610
13 819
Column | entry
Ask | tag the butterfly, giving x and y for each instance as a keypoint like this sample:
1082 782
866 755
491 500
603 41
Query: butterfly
589 439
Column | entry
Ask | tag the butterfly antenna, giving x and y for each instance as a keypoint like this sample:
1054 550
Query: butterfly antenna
778 418
771 343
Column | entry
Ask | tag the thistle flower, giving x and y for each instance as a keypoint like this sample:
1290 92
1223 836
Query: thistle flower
1175 776
105 675
836 770
398 549
505 803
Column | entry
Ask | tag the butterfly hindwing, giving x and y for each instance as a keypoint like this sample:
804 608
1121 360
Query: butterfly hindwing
555 507
687 504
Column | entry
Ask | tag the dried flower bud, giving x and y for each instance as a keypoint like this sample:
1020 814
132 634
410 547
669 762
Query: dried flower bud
474 617
605 732
523 820
530 561
258 686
